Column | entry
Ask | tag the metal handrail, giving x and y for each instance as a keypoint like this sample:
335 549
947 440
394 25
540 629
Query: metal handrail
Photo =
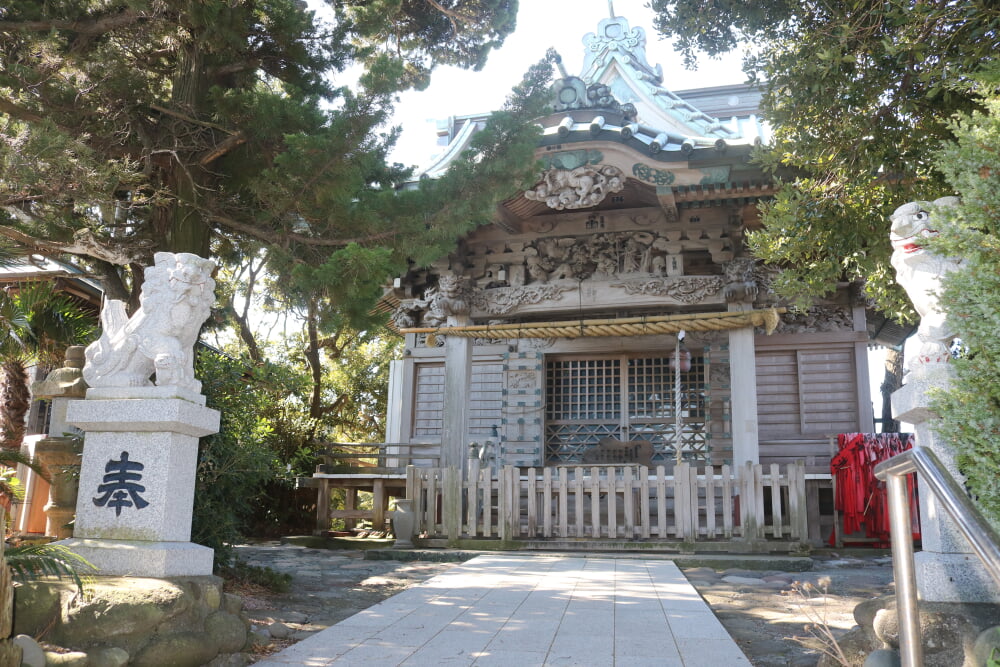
984 539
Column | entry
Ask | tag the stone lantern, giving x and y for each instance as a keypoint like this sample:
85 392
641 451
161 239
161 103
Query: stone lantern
60 452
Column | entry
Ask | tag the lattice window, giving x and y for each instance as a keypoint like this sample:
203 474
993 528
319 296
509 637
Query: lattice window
589 399
584 389
583 405
653 407
428 406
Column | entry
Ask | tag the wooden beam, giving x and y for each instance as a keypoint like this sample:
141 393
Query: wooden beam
665 195
507 220
698 193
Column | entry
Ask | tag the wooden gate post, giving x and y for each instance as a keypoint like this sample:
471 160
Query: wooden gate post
451 490
504 503
751 513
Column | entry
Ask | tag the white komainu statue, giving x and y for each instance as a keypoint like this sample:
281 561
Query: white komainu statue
920 271
177 296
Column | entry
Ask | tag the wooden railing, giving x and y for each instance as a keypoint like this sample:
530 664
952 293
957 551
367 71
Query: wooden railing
631 502
374 458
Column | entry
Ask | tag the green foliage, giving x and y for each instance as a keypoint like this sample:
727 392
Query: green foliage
11 489
413 35
246 472
859 95
34 561
235 463
214 125
37 324
970 410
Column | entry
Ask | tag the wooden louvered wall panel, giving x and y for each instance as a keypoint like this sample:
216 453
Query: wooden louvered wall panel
805 394
485 400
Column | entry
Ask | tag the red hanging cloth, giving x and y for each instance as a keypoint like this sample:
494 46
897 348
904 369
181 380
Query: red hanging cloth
860 497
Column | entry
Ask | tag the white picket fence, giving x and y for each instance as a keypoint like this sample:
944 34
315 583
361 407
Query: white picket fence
629 502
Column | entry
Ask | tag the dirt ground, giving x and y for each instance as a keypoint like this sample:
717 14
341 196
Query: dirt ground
785 620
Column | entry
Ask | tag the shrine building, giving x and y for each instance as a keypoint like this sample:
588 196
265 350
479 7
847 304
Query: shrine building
612 315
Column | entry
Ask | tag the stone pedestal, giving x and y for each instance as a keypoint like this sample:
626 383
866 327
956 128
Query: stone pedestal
61 458
137 481
946 568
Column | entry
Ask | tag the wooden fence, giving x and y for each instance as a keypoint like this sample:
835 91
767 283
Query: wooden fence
621 502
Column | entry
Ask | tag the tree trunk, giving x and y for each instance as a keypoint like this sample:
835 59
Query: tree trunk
893 380
10 653
312 355
15 400
187 230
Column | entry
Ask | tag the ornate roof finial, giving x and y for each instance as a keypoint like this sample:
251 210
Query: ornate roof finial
557 59
611 8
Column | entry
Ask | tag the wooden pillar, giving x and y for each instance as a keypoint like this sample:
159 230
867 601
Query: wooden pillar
350 503
380 503
457 387
743 380
866 411
322 507
394 416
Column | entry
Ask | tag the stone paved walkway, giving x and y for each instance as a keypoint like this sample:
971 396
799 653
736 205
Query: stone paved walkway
532 610
754 605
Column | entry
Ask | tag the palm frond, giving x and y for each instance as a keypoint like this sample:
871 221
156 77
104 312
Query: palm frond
11 457
14 326
34 561
11 255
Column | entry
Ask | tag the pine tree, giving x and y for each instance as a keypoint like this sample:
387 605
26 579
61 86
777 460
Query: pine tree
221 126
860 95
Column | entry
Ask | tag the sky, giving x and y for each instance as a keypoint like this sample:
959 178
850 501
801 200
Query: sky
540 24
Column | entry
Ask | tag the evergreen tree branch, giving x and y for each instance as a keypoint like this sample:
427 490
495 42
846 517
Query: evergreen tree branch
19 112
188 119
222 148
93 27
283 239
84 243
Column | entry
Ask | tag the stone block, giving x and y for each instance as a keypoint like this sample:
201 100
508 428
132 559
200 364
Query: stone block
108 656
71 659
174 415
987 646
159 391
117 611
36 605
32 654
183 649
909 403
137 558
954 577
228 631
166 486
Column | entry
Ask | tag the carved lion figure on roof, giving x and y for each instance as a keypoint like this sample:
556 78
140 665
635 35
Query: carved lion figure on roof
449 303
177 296
920 271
